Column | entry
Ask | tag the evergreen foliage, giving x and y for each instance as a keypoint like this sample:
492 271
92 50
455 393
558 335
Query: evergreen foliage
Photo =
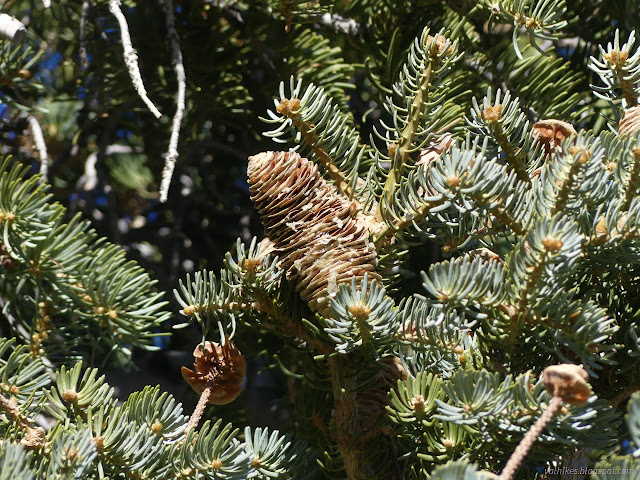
507 132
59 290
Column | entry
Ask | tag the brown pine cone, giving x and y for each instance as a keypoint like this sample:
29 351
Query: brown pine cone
320 237
630 122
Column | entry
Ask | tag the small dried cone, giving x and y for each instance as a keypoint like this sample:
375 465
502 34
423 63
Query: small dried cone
319 236
568 382
222 367
551 133
630 122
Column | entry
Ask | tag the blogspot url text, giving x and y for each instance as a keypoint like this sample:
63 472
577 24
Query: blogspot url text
588 471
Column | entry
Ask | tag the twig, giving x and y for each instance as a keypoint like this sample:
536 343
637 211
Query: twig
566 383
621 397
130 57
38 139
199 410
340 24
34 437
89 180
529 439
84 60
176 57
12 29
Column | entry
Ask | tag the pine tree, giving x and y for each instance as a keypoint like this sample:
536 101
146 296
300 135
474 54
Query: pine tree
505 132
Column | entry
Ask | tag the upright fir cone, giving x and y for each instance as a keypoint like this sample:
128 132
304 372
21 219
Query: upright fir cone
630 122
317 233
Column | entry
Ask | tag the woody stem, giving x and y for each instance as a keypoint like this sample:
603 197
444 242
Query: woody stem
529 439
199 410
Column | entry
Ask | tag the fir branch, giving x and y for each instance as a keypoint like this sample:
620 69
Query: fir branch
337 148
567 185
566 383
547 85
248 287
618 70
19 88
577 177
15 462
429 57
313 59
466 281
34 437
542 19
504 218
280 322
290 109
502 120
131 57
451 187
275 454
549 251
580 327
365 318
88 279
402 223
405 143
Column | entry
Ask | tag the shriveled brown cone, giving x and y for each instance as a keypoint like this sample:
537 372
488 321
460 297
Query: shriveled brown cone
218 367
317 233
552 132
630 122
568 382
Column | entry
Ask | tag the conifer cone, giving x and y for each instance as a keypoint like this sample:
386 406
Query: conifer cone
220 367
318 234
550 133
630 122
